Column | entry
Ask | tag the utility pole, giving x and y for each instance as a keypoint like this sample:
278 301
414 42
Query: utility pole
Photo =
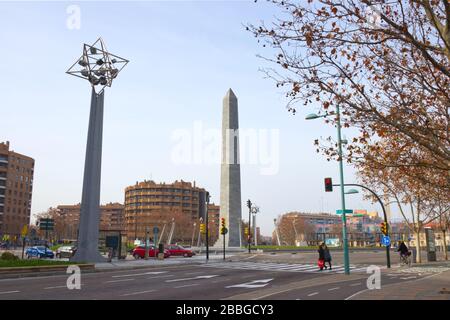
147 231
207 229
249 205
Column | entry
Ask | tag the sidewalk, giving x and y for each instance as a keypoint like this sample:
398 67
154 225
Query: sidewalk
434 287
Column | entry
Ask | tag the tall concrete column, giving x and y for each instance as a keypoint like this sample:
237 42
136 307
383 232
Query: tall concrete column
230 179
87 248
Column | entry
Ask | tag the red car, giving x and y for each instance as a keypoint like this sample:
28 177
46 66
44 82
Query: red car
139 252
176 250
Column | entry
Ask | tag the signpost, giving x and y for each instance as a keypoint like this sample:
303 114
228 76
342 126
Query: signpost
147 232
346 211
24 234
386 241
155 234
46 224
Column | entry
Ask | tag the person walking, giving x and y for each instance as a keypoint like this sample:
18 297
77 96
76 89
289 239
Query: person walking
327 256
321 261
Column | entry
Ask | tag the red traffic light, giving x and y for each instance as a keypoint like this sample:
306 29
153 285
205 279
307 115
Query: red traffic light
328 185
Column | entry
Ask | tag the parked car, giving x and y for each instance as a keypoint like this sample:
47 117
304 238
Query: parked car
66 252
177 250
139 252
39 252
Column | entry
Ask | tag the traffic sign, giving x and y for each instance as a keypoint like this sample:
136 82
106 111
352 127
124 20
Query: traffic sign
346 211
386 241
24 231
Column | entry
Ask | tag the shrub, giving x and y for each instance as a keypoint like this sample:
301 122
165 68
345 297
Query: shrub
8 256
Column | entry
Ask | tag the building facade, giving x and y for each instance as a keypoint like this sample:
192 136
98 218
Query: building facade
112 218
16 188
149 204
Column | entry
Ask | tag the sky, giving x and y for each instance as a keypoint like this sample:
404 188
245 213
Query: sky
163 112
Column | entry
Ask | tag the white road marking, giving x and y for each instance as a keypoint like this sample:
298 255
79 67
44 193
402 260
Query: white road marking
139 274
407 278
355 284
335 288
253 284
134 293
194 278
159 277
187 285
312 294
192 273
58 287
111 281
7 292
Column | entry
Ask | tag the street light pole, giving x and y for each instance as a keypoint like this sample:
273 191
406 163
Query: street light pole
341 173
388 257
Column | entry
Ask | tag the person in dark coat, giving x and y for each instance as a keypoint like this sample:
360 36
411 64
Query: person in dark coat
321 254
327 256
403 249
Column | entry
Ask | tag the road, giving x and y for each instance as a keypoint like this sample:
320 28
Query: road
214 281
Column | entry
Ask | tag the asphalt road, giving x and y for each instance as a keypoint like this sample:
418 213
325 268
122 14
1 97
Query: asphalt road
187 282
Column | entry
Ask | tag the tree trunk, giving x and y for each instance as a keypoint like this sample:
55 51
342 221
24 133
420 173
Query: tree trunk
418 255
445 244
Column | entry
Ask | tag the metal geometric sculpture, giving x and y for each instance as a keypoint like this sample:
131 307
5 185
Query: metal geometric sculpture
97 65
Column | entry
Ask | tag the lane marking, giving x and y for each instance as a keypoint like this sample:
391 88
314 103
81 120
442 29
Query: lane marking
335 288
7 292
57 287
313 294
159 277
192 273
139 274
253 284
356 284
194 278
135 293
186 285
122 280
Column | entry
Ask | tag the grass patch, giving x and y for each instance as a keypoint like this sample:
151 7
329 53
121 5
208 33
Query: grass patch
33 263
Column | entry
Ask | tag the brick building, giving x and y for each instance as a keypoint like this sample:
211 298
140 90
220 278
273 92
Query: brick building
149 204
16 188
67 219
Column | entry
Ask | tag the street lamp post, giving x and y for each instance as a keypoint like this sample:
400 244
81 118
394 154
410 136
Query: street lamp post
100 68
249 205
193 235
341 174
388 258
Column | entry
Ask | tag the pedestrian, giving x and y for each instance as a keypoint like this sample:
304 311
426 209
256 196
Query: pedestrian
321 261
326 255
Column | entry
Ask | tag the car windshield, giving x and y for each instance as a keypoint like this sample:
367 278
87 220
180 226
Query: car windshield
40 248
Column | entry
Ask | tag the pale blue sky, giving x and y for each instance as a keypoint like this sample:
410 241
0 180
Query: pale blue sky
184 57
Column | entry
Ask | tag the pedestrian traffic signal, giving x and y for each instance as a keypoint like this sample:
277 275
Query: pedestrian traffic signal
328 185
384 228
202 228
249 204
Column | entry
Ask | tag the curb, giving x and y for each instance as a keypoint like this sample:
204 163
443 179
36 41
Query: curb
38 271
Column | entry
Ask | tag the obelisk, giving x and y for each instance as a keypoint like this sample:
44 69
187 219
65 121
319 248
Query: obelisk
230 178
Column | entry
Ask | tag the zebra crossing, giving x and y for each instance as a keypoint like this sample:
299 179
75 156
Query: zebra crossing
287 267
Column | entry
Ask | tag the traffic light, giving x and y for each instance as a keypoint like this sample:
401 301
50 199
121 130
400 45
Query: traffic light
246 231
223 229
384 228
249 204
202 228
328 185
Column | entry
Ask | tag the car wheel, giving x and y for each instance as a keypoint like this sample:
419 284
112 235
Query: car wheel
136 256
